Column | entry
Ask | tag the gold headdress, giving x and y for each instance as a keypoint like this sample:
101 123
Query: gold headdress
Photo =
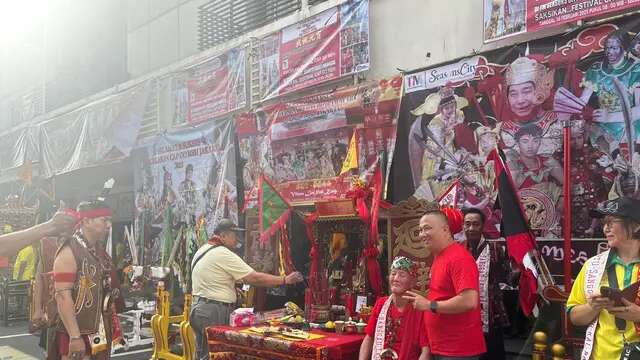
433 102
524 70
482 130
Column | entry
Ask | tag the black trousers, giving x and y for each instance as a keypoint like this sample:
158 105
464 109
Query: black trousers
494 340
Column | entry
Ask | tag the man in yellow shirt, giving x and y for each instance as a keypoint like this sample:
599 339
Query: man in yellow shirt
214 272
25 266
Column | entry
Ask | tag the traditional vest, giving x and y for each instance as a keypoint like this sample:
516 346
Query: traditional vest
48 247
91 291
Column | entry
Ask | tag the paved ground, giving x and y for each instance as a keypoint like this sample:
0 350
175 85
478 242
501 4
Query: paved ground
17 344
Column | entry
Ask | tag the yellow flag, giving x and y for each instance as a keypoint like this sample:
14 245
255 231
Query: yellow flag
351 161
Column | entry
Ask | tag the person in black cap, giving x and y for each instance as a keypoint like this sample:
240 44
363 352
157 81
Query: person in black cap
214 272
616 268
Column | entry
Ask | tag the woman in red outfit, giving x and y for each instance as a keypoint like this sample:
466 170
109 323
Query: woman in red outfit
395 329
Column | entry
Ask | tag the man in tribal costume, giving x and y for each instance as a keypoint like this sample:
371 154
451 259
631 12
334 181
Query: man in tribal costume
395 329
83 277
493 268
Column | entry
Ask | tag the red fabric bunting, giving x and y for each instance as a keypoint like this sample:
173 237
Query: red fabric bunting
286 251
360 195
373 266
370 252
455 218
309 220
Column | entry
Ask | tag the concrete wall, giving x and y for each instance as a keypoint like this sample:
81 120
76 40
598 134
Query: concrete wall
76 48
86 49
405 34
160 32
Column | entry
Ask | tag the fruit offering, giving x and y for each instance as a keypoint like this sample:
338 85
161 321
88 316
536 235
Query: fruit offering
329 325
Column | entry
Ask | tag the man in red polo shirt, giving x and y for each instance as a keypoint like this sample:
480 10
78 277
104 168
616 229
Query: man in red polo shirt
452 307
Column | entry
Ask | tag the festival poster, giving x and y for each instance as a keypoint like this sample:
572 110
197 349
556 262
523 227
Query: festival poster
321 48
184 180
543 14
503 18
301 144
518 99
214 88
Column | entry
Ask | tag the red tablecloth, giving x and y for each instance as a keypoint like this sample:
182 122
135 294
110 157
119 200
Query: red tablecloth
330 347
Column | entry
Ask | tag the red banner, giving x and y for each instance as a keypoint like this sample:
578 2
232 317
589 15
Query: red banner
301 144
315 41
510 17
544 13
324 47
216 87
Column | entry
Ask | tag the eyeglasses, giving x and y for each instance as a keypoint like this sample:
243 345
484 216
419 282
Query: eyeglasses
610 222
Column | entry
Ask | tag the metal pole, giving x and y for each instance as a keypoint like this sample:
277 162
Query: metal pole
566 228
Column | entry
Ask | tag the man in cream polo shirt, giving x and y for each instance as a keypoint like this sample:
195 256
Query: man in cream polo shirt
214 272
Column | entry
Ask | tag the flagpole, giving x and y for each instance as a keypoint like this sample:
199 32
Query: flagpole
567 224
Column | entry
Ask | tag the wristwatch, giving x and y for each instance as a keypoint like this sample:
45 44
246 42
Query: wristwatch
433 306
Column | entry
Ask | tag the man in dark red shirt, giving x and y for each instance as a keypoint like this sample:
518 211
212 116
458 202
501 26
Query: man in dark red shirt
452 307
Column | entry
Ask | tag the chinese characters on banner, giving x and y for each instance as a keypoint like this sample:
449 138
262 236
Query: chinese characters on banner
504 18
454 115
204 91
302 143
324 47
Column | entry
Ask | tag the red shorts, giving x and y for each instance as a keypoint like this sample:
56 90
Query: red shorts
63 343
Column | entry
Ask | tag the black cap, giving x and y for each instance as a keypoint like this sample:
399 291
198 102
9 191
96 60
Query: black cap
226 225
623 207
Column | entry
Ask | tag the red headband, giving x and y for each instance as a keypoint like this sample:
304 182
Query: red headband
89 214
454 218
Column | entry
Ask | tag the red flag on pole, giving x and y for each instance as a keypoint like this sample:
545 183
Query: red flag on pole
514 227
